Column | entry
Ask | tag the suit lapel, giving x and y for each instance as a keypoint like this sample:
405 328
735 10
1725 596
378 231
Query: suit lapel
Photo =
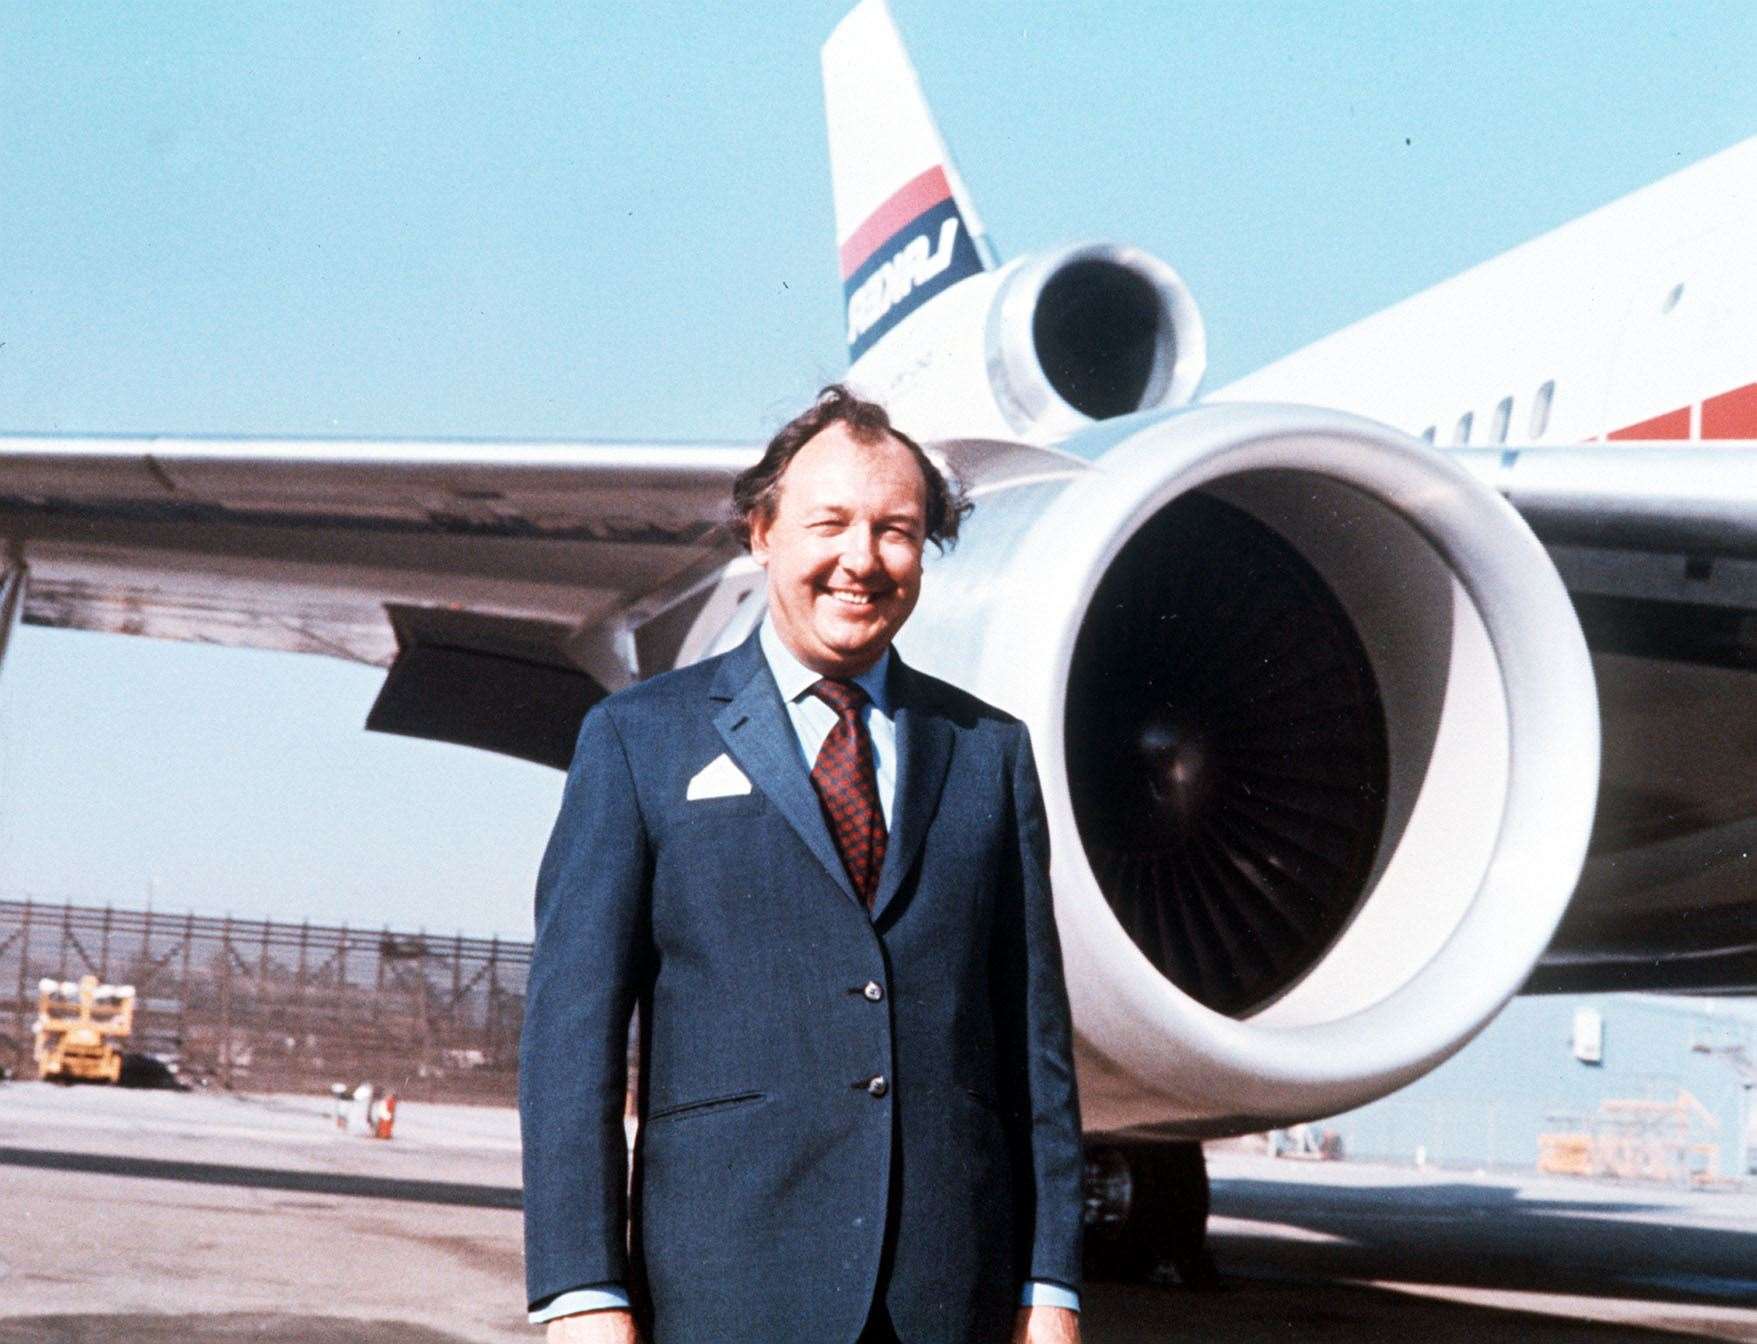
924 753
754 725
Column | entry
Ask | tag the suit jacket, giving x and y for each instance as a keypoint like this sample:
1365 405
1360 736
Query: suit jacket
832 1104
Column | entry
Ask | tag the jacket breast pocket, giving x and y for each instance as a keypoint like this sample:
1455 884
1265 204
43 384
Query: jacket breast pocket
694 812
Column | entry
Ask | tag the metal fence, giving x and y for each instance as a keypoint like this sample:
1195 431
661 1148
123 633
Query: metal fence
263 1005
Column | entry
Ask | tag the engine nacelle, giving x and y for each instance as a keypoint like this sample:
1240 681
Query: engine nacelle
1060 341
1319 742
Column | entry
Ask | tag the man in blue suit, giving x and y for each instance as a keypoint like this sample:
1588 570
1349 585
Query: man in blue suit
821 878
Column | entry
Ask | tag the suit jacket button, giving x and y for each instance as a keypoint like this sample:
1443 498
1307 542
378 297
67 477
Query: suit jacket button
873 990
878 1086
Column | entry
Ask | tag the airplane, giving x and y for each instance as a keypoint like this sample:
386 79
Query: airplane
1318 664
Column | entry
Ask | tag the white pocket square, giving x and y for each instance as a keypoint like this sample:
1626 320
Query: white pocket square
719 778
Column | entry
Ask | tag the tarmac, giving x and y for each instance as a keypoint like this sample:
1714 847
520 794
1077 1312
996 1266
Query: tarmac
200 1218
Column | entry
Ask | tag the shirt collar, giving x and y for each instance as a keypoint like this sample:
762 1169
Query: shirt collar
794 678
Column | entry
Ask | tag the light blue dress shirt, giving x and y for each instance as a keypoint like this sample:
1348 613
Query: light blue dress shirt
812 720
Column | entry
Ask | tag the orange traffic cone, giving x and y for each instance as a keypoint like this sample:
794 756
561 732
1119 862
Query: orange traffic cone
387 1116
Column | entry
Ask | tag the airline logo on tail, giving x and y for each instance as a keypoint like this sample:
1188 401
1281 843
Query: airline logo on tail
912 247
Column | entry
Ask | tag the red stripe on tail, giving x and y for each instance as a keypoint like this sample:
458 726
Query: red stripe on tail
914 198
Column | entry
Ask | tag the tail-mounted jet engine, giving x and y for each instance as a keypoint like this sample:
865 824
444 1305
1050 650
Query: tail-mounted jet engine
1089 333
1059 340
1319 744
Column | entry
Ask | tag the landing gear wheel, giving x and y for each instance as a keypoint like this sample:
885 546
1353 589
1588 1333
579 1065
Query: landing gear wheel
1147 1204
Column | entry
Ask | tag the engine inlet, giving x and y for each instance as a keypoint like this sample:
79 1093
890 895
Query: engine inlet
1104 338
1227 757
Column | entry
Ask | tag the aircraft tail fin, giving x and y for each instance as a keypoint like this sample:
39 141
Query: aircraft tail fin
905 225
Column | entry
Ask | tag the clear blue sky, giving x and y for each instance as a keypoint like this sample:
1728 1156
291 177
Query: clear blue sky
580 220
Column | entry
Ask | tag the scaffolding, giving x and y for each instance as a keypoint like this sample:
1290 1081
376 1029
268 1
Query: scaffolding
1636 1139
266 1005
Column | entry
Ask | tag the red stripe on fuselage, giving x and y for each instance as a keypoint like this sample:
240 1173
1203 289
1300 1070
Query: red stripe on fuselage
1731 415
1671 425
913 199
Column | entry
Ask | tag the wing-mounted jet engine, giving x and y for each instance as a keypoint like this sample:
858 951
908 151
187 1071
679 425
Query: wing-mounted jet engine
1319 741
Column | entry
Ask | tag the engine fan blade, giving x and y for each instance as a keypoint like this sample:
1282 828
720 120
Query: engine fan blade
1226 748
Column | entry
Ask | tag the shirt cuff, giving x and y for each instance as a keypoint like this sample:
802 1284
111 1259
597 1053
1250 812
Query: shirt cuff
594 1297
1040 1294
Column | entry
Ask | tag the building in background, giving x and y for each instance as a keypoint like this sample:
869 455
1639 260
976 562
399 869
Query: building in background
1614 1085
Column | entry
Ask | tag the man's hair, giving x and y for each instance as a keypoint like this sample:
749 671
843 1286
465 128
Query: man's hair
757 490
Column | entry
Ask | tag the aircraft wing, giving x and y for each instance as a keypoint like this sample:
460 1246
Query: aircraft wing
506 586
1657 543
499 581
1654 498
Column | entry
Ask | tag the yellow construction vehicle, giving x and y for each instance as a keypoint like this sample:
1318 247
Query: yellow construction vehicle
76 1025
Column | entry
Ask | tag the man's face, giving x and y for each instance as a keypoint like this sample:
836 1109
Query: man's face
843 550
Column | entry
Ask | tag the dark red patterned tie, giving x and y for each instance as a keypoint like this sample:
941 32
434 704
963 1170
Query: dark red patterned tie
848 788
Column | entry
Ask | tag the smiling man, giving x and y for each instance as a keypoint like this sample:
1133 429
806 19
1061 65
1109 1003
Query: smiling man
821 877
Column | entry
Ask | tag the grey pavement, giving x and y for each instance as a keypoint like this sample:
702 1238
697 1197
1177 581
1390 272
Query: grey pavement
207 1219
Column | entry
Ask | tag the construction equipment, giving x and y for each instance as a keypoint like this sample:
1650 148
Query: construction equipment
1640 1138
76 1027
